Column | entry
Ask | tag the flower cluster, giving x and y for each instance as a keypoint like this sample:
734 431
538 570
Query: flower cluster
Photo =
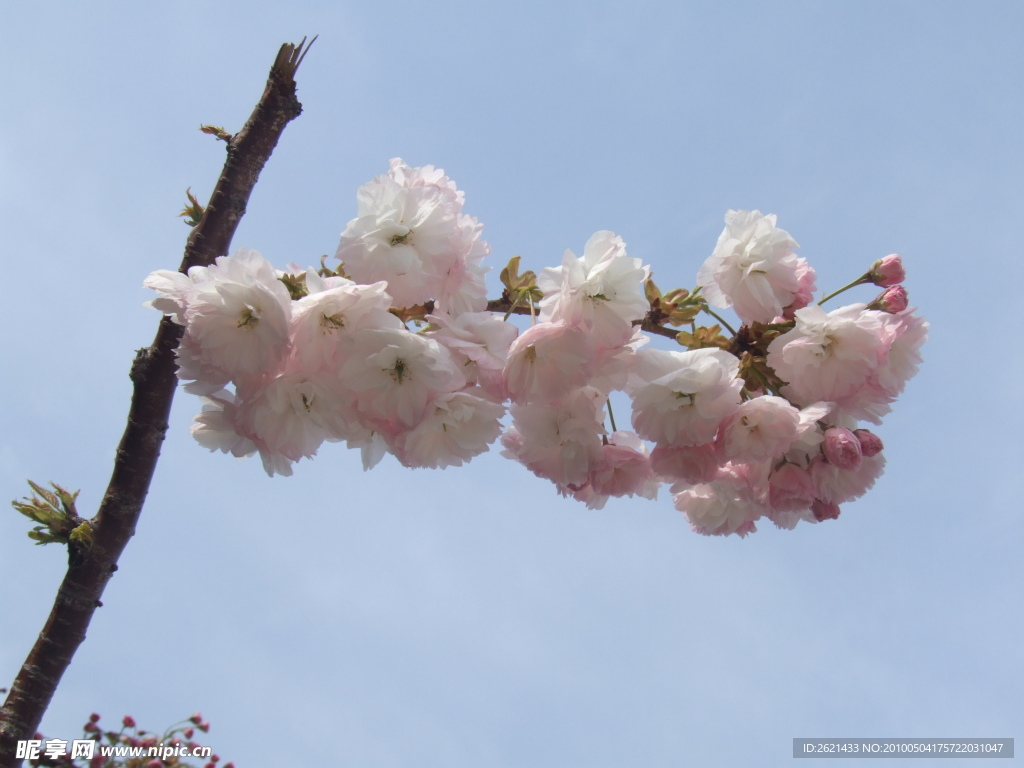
285 364
128 747
398 350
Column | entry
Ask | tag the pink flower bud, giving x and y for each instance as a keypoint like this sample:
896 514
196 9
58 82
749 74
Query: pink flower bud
824 510
888 271
203 726
129 721
94 718
892 300
842 449
870 443
189 732
197 718
90 727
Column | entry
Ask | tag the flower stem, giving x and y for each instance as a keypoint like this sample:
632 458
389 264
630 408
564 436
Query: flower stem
611 415
865 278
513 306
714 314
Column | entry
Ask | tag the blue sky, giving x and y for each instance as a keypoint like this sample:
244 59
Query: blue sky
471 617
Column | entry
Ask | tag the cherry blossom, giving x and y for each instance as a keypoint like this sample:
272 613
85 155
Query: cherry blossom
753 268
411 233
394 351
828 356
601 291
686 395
548 361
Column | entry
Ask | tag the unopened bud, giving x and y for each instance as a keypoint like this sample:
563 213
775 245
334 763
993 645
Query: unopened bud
892 300
888 271
824 510
128 721
90 727
197 718
189 732
842 449
870 443
94 718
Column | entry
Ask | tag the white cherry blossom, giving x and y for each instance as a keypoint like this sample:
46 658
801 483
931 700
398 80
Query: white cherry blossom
753 268
602 291
686 396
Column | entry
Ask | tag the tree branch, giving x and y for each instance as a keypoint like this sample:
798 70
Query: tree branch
154 382
649 323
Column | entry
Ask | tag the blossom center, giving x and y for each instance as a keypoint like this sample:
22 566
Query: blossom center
249 317
330 323
398 371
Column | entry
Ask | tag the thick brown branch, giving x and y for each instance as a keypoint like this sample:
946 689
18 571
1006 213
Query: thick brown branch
154 381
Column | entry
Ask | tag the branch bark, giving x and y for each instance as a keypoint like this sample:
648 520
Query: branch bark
154 382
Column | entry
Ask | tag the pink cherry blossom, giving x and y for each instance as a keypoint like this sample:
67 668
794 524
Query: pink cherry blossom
237 318
790 490
729 504
479 344
828 357
174 291
601 291
753 269
841 485
456 427
899 342
395 374
907 332
323 321
691 464
686 396
806 286
760 428
559 442
624 468
548 361
219 428
410 232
